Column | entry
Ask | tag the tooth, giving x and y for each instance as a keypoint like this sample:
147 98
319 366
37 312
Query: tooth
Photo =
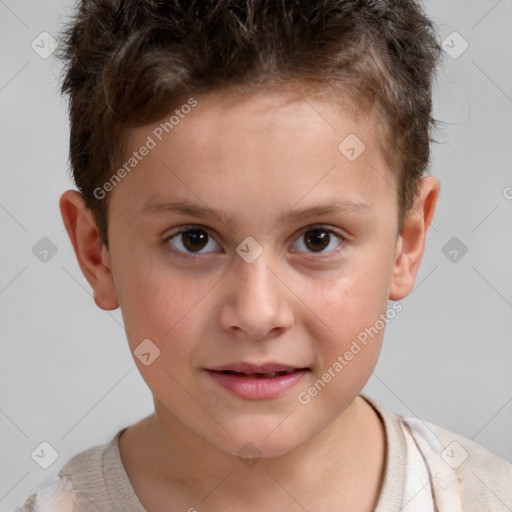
272 375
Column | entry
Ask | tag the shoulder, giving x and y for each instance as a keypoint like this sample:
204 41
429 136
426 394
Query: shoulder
431 468
57 497
80 484
483 479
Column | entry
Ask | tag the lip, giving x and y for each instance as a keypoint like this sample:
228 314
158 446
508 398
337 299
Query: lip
249 382
244 367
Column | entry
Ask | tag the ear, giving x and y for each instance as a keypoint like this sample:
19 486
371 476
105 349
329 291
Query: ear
92 255
411 242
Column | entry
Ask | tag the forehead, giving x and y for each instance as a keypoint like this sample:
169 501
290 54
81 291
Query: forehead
286 109
279 108
261 144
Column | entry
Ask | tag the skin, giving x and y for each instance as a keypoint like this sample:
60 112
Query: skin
255 156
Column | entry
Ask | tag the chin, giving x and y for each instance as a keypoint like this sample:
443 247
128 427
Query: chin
260 441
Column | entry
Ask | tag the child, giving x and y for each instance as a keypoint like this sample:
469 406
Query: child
251 194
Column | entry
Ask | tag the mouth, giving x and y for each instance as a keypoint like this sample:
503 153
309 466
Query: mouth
259 375
267 370
257 382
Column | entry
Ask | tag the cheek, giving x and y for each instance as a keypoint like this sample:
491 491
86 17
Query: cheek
353 306
353 300
165 308
158 301
354 309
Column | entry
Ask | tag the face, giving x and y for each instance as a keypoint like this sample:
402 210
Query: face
252 253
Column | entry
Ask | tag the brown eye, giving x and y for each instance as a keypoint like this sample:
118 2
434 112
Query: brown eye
192 240
318 240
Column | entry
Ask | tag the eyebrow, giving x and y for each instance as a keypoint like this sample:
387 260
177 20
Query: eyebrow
334 206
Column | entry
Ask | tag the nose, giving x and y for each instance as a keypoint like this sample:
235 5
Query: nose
256 302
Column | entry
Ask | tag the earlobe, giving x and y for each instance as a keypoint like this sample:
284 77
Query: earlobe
91 254
411 243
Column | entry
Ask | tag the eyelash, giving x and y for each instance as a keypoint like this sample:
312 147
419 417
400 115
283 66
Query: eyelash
316 227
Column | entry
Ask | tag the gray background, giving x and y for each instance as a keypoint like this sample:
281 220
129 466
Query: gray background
67 376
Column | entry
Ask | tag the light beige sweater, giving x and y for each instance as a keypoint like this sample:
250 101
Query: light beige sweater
427 469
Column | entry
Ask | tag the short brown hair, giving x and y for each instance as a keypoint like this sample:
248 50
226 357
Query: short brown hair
128 63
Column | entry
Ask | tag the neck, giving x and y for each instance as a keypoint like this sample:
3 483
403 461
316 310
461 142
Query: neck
338 465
